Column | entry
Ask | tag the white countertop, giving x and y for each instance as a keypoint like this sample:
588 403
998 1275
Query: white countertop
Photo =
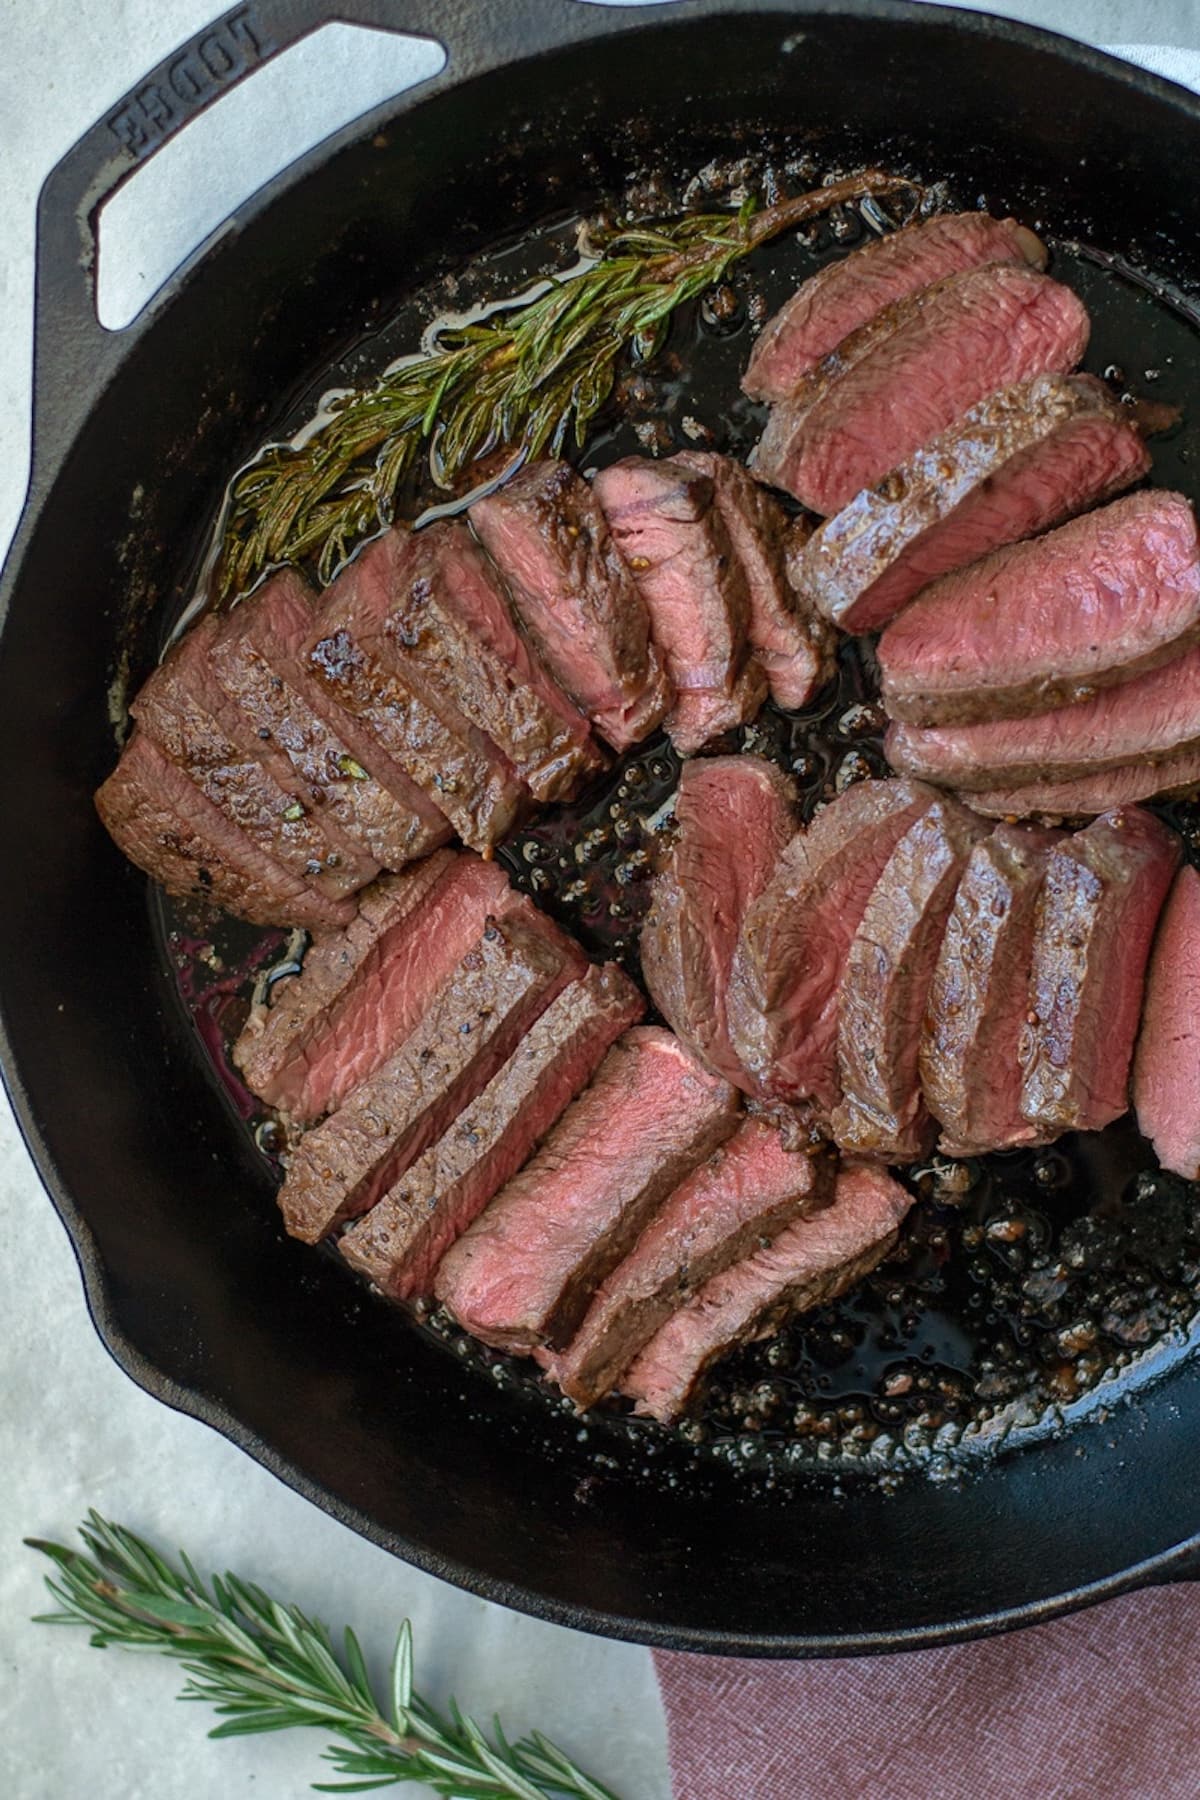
74 1431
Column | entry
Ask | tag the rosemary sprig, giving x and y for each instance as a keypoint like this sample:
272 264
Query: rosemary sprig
266 1666
533 373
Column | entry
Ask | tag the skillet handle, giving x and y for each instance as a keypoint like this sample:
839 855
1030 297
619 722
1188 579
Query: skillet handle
74 355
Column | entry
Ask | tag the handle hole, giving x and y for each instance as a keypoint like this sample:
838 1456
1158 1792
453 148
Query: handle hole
190 187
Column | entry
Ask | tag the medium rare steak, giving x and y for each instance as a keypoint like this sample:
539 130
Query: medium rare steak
1178 773
402 1239
911 372
886 983
258 658
1166 1070
666 522
811 1261
845 294
733 816
164 824
1144 720
526 1270
1103 891
782 1002
576 598
791 644
1042 624
733 1204
186 711
472 1025
979 997
1023 459
373 984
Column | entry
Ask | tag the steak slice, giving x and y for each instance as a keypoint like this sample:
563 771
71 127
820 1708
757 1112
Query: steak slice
812 1261
912 371
791 644
975 1015
472 1025
886 984
1178 773
457 767
185 710
1023 459
576 598
164 824
845 294
526 1270
1103 891
782 1001
362 994
666 522
1143 720
733 815
1166 1070
1095 603
735 1203
258 657
400 1242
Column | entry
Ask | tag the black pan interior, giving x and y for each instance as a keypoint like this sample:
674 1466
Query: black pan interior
190 1278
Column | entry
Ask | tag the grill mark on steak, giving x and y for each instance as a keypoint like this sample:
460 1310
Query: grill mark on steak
473 1023
576 597
666 523
845 294
976 1013
526 1270
1103 891
737 1201
886 982
910 373
1172 775
1022 460
1144 720
1166 1070
782 999
1096 603
811 1262
400 1242
733 815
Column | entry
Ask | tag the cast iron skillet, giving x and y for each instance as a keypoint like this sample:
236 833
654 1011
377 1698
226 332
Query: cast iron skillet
191 1284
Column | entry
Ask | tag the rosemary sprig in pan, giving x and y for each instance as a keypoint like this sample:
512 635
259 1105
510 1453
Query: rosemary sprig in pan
266 1666
526 377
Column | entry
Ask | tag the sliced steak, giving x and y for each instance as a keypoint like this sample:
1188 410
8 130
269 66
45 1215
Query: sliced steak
1103 891
1178 773
733 816
845 294
782 1002
886 984
911 372
472 1025
365 992
526 1270
791 645
1022 460
576 598
1166 1070
1144 720
666 522
459 770
186 711
979 997
162 822
400 1242
1097 602
735 1203
810 1262
258 657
